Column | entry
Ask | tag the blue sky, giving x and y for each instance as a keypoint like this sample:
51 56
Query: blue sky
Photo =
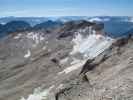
66 8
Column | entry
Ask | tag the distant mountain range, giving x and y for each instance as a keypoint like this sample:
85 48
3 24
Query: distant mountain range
17 26
47 24
31 20
37 20
13 26
114 26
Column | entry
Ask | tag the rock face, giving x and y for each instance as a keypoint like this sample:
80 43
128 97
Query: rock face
109 80
35 65
71 27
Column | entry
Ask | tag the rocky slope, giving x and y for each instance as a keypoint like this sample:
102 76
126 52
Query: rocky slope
76 61
108 77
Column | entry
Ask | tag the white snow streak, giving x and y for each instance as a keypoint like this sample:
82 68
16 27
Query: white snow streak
77 41
18 36
36 37
73 67
28 54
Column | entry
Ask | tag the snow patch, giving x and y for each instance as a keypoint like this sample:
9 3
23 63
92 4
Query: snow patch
77 41
73 67
18 36
92 45
38 94
37 37
28 54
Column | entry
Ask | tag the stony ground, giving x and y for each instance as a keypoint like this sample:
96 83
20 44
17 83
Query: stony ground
110 80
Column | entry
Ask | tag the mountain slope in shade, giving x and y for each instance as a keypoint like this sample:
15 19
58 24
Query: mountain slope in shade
13 26
47 24
16 25
129 32
31 20
1 30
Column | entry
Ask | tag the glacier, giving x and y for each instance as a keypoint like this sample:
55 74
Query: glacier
92 45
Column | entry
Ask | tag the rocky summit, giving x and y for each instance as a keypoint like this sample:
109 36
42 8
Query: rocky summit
76 60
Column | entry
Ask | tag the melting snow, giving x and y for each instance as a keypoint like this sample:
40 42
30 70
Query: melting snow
28 54
92 45
77 41
18 36
36 37
39 95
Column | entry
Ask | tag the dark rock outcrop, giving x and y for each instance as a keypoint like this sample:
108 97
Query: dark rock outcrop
69 28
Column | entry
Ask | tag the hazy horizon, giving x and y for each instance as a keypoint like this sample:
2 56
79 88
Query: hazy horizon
62 16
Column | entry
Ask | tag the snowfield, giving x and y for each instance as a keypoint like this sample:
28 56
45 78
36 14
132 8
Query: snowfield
92 45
